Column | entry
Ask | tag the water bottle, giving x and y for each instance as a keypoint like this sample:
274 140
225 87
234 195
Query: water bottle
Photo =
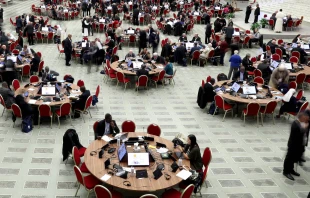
180 162
132 170
118 142
57 95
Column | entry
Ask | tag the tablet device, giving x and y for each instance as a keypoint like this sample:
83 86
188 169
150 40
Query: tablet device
141 174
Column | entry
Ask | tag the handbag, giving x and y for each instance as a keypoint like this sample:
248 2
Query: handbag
27 124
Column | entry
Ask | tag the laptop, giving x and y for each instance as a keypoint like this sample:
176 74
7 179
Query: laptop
138 159
48 91
57 87
121 152
123 136
289 65
13 58
306 47
249 90
130 31
235 87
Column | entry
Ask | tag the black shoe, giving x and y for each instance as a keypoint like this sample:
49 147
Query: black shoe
301 163
289 176
302 160
295 173
68 64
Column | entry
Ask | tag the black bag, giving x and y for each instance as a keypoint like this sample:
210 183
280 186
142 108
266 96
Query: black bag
69 79
221 77
27 124
177 141
212 108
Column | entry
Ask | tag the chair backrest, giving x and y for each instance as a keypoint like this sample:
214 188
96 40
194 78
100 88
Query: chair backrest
15 84
102 192
280 41
300 78
271 22
246 40
303 106
26 70
161 75
34 78
78 174
97 91
202 83
45 110
299 94
253 60
271 106
114 50
276 57
128 126
88 102
120 76
132 38
259 80
154 129
196 55
148 196
65 109
292 85
211 54
187 192
95 125
252 109
207 157
296 54
76 156
290 23
257 73
219 101
80 83
279 52
16 110
142 81
294 59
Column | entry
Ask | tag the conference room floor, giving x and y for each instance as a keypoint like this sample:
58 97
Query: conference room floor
247 161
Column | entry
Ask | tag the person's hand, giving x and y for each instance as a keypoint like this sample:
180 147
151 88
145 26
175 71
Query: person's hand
280 80
99 137
112 124
179 147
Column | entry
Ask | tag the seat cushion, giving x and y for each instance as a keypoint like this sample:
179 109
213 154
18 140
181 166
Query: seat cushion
90 181
116 194
227 106
83 168
126 80
82 151
172 193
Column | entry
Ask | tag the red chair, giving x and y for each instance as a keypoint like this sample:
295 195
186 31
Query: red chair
221 104
248 32
109 75
15 51
25 72
246 41
95 125
300 79
103 192
61 51
294 59
280 41
39 36
128 126
101 27
141 21
195 56
65 110
259 80
268 109
148 196
258 73
158 78
114 51
276 57
279 52
121 79
271 24
80 83
302 108
77 154
16 111
97 93
86 107
41 65
290 25
172 193
34 79
15 84
45 111
292 85
198 19
5 108
50 37
154 129
299 94
296 54
89 181
252 109
142 82
132 39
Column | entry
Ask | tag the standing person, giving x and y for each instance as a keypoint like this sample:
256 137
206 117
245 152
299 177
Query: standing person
256 13
279 25
229 33
29 30
68 49
154 39
142 40
235 61
88 8
84 8
19 24
1 14
296 144
135 16
248 13
223 49
118 34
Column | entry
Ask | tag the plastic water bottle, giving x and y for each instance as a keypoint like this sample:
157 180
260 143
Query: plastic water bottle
180 162
118 142
132 170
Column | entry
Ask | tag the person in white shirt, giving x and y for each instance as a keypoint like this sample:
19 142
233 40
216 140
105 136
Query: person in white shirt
98 44
11 37
26 51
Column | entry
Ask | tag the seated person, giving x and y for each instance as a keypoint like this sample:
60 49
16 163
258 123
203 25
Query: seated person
206 51
142 71
106 127
81 101
4 51
162 18
24 106
209 91
7 95
194 48
35 63
254 38
143 52
98 44
49 75
301 52
11 37
183 38
264 67
196 38
25 51
130 54
191 151
158 59
247 63
291 104
241 75
168 68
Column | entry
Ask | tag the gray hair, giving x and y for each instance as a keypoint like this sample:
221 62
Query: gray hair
236 52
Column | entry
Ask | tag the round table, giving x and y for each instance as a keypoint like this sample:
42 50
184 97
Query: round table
33 91
116 68
238 99
96 166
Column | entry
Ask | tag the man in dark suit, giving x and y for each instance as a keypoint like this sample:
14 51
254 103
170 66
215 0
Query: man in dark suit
135 16
68 49
180 55
195 48
240 75
301 52
29 30
264 67
183 38
256 13
247 63
229 33
81 101
142 71
248 13
208 33
19 24
296 144
284 54
142 40
7 94
196 38
167 50
209 91
4 50
106 127
158 59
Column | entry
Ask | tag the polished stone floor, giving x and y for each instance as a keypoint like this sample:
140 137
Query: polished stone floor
247 160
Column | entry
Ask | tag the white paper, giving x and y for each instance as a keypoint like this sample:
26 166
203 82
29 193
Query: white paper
32 101
47 103
162 150
105 177
127 169
106 138
184 174
31 89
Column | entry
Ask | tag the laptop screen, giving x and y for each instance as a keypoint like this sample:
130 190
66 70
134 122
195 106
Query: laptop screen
138 159
121 152
58 88
13 58
249 90
129 63
235 87
48 91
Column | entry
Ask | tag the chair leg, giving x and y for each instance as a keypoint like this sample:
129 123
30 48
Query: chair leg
58 122
96 107
7 115
273 118
2 112
214 111
77 189
51 122
70 119
244 119
89 113
82 117
257 119
224 116
262 117
39 121
88 193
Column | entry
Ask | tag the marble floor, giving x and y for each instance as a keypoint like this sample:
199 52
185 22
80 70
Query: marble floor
247 160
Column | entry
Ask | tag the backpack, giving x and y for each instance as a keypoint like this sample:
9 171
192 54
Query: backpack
212 108
221 76
27 124
95 100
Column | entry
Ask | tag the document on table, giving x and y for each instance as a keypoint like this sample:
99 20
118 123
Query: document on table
47 103
105 177
106 138
32 101
184 174
31 89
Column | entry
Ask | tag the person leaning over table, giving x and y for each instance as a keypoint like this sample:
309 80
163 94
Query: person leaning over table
106 127
191 151
183 38
279 76
26 51
241 75
264 67
158 59
142 71
196 38
247 63
81 100
290 103
4 51
302 53
235 61
48 75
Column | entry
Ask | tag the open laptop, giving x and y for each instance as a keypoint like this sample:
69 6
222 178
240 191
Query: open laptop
289 65
249 90
138 159
122 152
13 58
129 63
57 87
235 87
306 47
48 91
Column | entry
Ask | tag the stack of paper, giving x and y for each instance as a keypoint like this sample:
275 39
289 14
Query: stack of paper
184 174
106 138
32 101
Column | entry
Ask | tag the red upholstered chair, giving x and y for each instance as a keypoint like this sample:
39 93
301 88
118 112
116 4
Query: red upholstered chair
50 37
103 192
154 129
132 39
97 93
86 107
258 73
294 59
15 84
290 25
279 52
302 108
259 80
195 56
299 94
5 108
252 109
128 126
202 83
16 111
276 57
172 193
45 111
300 79
296 54
41 65
34 79
246 41
158 78
148 196
221 104
271 24
114 51
89 181
280 41
15 51
171 78
39 36
101 27
25 72
142 82
77 154
65 110
121 79
268 109
109 74
253 60
80 83
248 32
292 85
61 51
